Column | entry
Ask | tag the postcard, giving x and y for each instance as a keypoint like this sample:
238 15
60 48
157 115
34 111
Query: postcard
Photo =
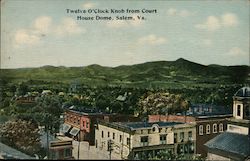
125 79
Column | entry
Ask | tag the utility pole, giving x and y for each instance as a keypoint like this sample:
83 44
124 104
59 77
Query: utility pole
47 132
78 146
110 148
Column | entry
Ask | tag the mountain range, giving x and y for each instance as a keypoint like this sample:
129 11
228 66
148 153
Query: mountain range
180 70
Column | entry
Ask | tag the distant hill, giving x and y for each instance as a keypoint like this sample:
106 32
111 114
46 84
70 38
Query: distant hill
180 70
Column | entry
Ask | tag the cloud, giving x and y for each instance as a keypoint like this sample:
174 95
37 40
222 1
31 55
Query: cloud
214 23
89 5
24 37
207 42
152 40
125 23
68 26
117 24
172 11
42 26
181 13
236 51
229 19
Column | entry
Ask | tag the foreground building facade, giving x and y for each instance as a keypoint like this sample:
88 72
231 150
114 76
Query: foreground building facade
207 127
143 140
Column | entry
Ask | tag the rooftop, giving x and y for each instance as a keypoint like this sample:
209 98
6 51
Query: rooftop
10 153
208 110
231 142
85 110
131 126
243 92
138 125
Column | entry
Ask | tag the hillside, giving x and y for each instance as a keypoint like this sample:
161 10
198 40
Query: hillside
181 70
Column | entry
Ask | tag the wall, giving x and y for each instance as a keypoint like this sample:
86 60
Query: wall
211 156
121 148
202 139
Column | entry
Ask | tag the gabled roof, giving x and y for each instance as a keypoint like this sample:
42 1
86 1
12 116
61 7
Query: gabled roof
231 143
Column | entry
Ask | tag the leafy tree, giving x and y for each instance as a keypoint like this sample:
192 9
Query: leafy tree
21 134
161 103
168 155
22 89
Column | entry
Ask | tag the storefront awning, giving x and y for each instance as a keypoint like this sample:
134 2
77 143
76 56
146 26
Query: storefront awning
65 128
74 131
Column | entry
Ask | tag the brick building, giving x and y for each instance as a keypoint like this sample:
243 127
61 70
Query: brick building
207 126
234 144
80 124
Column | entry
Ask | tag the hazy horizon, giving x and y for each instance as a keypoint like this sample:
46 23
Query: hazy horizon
119 65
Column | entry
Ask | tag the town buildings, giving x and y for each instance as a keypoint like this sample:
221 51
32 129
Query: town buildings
234 144
144 140
210 122
61 148
80 123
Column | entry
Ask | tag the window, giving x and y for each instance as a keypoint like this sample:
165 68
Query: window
221 127
190 135
128 141
181 136
238 110
144 140
120 138
208 129
141 131
96 144
67 152
163 139
83 123
87 124
191 148
214 128
108 134
247 114
102 134
113 135
201 130
180 148
175 137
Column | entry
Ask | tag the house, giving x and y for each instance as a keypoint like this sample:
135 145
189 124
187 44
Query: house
210 122
61 148
144 140
234 144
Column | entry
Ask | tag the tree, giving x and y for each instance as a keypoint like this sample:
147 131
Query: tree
22 89
169 155
161 103
21 134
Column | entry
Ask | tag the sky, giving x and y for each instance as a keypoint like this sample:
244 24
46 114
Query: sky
36 33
